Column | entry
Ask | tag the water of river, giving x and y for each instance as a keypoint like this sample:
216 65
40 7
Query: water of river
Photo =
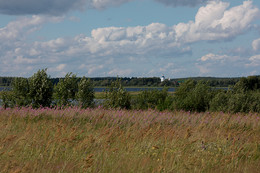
132 89
103 89
135 89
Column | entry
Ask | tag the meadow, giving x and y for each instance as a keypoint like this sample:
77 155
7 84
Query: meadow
72 139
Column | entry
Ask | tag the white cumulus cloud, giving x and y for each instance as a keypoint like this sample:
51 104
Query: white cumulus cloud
214 57
254 62
215 22
224 65
256 44
112 50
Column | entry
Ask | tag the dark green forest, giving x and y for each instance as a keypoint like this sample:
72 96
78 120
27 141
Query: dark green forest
141 82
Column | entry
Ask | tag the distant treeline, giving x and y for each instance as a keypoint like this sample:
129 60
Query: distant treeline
192 95
142 82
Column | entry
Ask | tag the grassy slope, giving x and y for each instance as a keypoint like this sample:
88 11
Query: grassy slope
74 140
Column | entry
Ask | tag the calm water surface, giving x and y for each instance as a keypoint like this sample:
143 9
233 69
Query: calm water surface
127 89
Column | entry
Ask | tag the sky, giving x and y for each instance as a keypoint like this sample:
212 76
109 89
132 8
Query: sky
130 38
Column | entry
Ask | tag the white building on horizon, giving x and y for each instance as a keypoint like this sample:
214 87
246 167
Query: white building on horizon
162 78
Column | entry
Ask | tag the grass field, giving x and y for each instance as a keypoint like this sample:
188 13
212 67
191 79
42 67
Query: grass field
100 140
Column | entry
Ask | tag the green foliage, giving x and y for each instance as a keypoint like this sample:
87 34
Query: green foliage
144 82
182 99
66 89
239 102
36 91
243 97
6 81
7 98
251 83
21 91
41 89
117 96
85 94
220 101
244 102
193 97
153 99
255 102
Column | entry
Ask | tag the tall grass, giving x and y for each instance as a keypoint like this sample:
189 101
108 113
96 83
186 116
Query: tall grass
106 140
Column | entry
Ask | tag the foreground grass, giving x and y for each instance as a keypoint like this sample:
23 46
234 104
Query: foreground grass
99 140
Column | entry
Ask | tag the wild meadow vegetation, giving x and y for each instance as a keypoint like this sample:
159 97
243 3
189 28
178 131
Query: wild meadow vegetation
60 128
108 140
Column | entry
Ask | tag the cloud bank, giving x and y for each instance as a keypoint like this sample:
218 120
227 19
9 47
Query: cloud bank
215 22
256 44
59 7
114 50
228 65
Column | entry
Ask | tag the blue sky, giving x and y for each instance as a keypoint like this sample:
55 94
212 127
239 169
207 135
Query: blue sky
140 38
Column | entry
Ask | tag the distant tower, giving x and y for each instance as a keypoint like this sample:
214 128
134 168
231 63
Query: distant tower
162 78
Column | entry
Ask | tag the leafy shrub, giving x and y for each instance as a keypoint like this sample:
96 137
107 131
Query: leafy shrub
193 97
251 83
245 96
220 101
66 89
85 94
153 99
41 89
244 102
117 96
239 102
255 102
165 104
21 91
7 99
35 91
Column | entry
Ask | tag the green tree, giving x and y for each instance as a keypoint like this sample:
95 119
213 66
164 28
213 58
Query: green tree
220 101
192 96
255 102
239 102
41 89
85 94
153 99
181 100
21 89
66 89
250 83
245 96
117 96
7 99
